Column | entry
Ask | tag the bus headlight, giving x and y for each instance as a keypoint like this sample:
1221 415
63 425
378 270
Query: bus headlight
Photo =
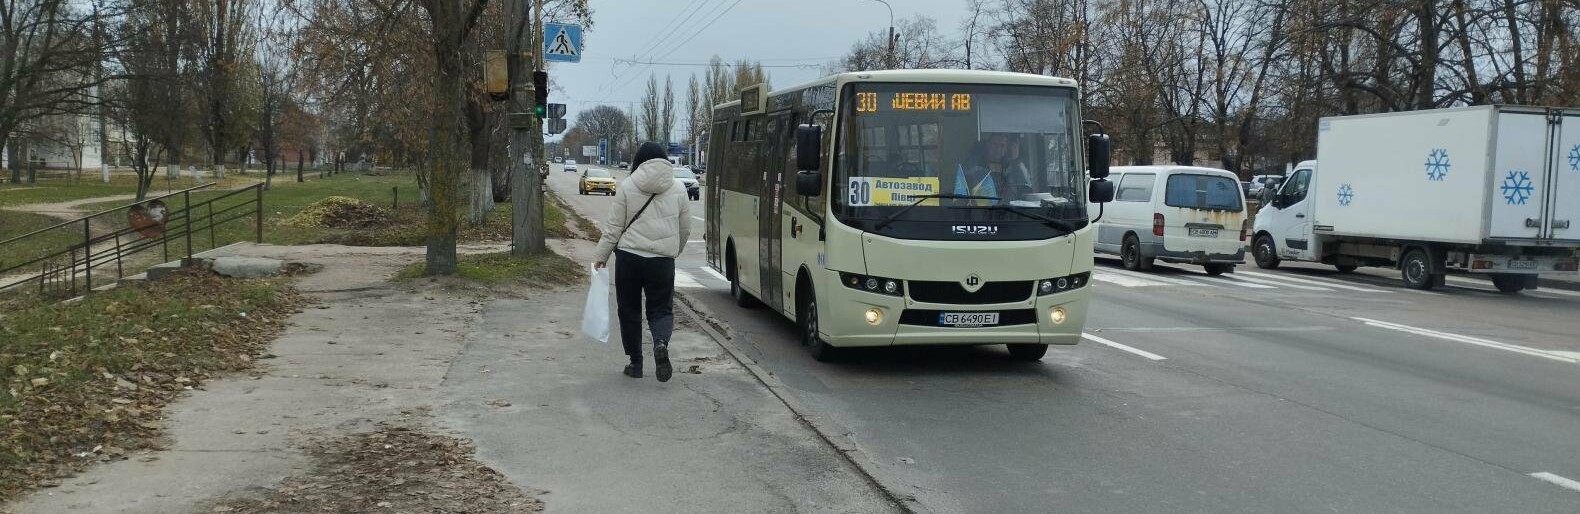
879 285
1049 286
874 315
1057 315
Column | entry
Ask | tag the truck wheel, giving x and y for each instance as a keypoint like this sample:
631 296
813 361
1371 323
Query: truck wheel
1027 351
1347 268
1265 253
806 318
1416 269
1508 283
1130 255
1218 268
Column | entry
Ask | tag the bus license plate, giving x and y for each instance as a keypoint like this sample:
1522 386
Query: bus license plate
1522 264
1203 232
967 319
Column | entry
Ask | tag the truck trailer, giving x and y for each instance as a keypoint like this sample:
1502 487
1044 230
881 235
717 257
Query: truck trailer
1486 189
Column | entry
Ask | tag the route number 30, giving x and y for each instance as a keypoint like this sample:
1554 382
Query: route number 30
860 193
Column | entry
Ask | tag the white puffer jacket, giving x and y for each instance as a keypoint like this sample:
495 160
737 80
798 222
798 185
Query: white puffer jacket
663 227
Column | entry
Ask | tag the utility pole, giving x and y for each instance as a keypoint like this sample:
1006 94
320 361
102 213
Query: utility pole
526 132
889 59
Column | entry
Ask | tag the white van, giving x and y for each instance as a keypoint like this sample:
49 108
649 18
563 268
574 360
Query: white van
1178 214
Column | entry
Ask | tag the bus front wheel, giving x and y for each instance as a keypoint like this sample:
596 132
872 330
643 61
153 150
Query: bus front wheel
742 298
807 320
1027 351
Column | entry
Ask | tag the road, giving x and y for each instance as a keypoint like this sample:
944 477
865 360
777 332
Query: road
1295 390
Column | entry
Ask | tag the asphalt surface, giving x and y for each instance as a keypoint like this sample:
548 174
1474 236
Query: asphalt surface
1290 390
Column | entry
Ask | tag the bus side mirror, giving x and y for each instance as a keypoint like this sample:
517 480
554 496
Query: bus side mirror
1097 156
808 140
1100 191
807 183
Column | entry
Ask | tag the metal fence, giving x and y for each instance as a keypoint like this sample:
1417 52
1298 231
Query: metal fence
71 268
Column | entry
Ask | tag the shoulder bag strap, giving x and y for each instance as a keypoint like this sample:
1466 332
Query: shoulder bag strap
631 221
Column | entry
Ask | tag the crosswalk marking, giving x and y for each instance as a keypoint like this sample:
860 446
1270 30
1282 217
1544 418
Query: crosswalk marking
1270 283
1245 283
684 280
1324 283
1108 276
1158 278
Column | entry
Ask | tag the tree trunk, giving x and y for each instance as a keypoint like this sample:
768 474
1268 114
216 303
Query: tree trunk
299 166
445 159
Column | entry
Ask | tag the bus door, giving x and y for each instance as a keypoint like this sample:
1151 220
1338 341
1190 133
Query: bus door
769 256
715 194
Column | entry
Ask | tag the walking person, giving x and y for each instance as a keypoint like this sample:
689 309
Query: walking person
647 229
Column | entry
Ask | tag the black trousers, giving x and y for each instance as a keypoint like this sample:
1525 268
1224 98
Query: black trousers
634 276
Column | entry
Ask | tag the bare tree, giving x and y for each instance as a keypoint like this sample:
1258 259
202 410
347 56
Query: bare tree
49 50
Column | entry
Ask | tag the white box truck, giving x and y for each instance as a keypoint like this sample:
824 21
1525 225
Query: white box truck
1488 189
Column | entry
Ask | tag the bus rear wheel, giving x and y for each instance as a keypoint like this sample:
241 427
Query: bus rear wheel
1030 352
742 298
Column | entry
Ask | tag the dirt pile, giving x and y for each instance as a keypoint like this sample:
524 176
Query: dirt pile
341 212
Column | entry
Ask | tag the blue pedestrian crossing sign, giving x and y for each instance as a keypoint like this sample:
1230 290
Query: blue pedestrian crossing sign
562 42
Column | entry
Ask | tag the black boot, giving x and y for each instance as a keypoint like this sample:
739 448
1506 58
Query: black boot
661 356
634 369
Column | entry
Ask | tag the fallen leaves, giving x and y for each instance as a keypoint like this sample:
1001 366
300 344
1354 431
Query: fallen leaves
396 468
86 381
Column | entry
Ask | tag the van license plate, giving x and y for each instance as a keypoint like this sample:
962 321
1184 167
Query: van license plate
967 319
1203 232
1521 264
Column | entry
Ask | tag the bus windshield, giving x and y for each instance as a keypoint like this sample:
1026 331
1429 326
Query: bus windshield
961 153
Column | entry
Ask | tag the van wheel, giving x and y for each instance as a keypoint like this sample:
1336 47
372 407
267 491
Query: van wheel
1416 269
1218 268
1027 351
1347 268
1265 252
1508 283
1130 254
807 319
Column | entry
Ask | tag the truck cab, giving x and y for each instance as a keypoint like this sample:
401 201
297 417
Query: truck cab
1284 221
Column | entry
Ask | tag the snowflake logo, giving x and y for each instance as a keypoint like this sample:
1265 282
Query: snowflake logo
1437 164
1346 194
1517 187
1574 158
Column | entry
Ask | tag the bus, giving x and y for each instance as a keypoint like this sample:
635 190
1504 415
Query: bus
909 207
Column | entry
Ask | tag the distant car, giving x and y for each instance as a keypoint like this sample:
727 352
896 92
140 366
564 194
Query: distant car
596 179
570 165
688 180
1262 181
559 159
700 169
624 164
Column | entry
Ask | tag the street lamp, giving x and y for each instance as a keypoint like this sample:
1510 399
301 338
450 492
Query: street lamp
890 60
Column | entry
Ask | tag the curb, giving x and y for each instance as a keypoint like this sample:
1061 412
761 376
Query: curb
842 444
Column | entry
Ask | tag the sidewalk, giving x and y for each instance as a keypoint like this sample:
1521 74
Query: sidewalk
543 406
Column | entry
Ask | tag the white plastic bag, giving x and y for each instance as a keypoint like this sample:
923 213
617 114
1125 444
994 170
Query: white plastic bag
595 315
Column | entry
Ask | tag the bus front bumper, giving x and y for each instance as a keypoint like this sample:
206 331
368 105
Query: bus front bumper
916 323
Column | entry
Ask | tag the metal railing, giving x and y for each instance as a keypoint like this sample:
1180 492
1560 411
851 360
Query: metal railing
59 270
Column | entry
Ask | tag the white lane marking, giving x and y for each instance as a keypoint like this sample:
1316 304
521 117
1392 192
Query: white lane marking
1326 283
1271 283
1469 340
715 274
1122 280
1557 480
699 218
684 280
1130 349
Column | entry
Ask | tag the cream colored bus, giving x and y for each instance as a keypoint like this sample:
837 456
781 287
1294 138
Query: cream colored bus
909 207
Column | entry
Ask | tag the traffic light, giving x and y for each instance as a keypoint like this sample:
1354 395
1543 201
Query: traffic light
540 92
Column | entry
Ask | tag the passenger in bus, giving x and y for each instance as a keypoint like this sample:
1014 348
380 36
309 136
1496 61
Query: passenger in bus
994 171
647 228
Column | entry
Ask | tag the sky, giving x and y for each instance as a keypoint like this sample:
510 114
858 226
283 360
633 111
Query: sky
792 38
